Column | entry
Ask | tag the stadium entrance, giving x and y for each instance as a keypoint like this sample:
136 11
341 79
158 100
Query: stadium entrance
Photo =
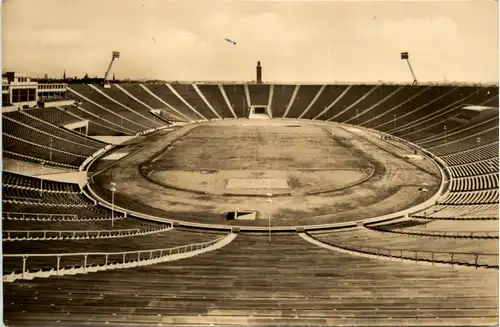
259 112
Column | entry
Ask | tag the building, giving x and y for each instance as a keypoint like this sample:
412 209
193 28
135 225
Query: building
259 73
18 91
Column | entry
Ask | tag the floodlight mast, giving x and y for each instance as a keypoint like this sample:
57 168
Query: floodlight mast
114 55
405 56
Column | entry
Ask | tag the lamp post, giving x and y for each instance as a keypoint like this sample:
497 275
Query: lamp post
50 153
445 133
425 194
270 200
41 177
113 190
424 190
406 56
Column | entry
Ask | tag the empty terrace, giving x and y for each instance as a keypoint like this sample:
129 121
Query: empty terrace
285 281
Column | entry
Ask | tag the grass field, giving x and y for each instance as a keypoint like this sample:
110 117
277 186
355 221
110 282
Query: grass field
331 174
266 158
257 146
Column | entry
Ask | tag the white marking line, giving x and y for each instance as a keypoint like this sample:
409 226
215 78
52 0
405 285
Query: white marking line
260 183
116 156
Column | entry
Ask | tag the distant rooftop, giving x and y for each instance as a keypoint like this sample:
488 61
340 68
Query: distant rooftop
13 74
15 77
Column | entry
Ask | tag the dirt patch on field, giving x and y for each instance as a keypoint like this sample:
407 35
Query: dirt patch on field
254 151
284 181
259 147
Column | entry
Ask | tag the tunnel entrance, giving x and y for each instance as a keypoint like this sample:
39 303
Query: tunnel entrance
260 110
241 215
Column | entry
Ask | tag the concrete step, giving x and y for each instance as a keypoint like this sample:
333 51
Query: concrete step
179 320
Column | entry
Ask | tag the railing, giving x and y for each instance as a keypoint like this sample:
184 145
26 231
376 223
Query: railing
451 234
72 234
488 260
50 204
54 217
37 189
457 234
96 260
22 198
485 217
29 216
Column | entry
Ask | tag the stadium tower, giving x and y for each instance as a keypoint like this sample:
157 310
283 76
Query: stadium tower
259 73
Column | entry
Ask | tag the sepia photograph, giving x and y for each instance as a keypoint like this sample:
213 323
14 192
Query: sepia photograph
250 163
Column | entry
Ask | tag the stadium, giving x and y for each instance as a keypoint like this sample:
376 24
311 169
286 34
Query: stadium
248 203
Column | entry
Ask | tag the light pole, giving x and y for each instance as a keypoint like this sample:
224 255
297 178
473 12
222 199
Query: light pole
50 153
41 177
445 133
425 194
113 190
424 190
406 56
270 200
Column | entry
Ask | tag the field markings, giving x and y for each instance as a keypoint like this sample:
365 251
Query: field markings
257 183
115 156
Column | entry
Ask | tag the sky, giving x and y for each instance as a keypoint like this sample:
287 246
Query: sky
296 41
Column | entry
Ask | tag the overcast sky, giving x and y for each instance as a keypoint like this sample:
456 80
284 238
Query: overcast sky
310 41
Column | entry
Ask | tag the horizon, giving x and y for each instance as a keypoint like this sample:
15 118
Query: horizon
275 82
304 41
